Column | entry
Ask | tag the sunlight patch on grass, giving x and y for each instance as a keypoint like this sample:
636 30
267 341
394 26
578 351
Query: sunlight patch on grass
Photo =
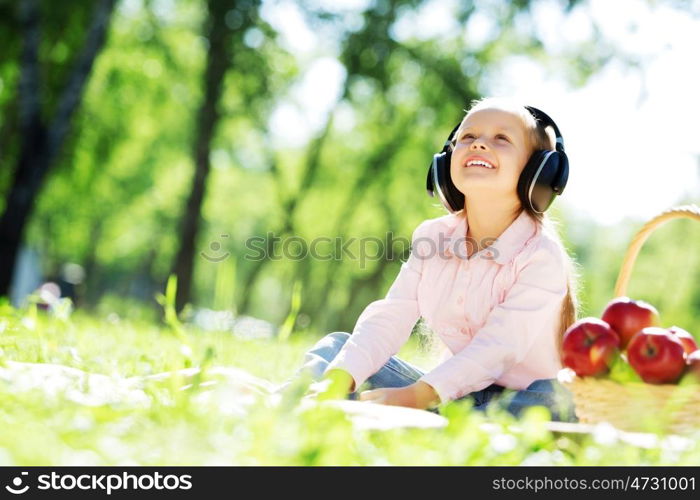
60 383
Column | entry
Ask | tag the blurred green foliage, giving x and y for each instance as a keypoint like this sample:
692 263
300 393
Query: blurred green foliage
171 426
115 198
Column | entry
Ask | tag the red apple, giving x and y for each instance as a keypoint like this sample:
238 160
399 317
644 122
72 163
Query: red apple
685 337
589 347
657 355
627 317
693 362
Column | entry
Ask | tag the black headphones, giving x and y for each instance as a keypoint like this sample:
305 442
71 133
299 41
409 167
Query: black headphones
544 176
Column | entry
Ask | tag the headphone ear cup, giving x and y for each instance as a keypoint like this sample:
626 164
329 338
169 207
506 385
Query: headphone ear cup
538 180
526 177
563 175
451 197
429 184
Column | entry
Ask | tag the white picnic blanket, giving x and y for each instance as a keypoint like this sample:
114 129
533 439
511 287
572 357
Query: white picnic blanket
228 390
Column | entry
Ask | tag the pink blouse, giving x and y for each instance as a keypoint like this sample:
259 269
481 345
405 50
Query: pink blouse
498 312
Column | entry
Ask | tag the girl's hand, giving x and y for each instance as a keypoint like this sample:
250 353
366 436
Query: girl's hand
336 384
418 395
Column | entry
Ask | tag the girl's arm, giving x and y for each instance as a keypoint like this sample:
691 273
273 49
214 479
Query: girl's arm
530 310
385 325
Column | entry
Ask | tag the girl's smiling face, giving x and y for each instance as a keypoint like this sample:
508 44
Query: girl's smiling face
491 148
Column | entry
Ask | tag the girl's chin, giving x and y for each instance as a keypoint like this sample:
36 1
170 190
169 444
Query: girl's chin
475 173
479 190
481 180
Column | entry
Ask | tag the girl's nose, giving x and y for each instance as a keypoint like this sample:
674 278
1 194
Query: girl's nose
477 144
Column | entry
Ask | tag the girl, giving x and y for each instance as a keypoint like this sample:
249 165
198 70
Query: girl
491 279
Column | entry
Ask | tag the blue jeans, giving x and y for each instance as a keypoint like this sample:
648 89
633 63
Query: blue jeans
398 373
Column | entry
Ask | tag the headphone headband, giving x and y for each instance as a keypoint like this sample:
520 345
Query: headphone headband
546 120
542 179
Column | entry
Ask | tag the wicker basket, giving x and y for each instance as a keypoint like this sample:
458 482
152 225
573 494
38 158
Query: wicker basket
638 406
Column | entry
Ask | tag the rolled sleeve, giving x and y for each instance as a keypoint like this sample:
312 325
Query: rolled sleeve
385 325
531 309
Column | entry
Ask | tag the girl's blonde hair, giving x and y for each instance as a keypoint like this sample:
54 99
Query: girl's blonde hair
540 137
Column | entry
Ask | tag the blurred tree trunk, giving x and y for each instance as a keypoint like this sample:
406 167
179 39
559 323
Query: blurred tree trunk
218 62
374 170
373 282
311 168
42 139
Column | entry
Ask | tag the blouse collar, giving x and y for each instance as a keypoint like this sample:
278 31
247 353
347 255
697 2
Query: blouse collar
506 246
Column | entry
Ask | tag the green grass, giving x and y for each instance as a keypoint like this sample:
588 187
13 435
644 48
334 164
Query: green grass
176 427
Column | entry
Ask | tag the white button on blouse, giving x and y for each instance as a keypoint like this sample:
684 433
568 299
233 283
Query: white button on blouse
497 313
